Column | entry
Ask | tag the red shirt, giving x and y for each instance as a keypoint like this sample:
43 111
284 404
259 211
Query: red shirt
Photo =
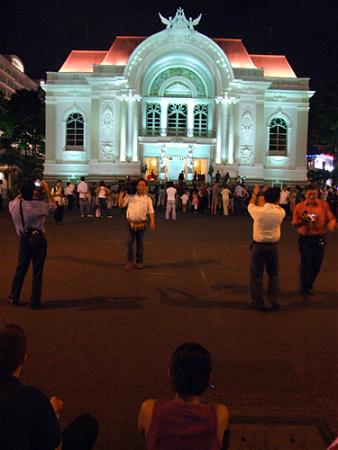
322 213
181 426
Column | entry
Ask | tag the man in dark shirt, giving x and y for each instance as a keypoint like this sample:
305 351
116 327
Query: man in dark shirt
28 420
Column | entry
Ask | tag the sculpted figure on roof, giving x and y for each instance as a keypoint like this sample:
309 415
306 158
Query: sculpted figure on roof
180 22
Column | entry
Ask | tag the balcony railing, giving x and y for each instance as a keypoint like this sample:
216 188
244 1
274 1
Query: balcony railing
145 132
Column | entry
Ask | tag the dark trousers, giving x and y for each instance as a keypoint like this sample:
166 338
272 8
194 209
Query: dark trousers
103 206
311 250
133 235
37 254
264 256
81 434
71 202
58 213
1 203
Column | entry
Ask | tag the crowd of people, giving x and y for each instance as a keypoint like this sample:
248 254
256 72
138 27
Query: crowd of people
98 199
268 206
29 421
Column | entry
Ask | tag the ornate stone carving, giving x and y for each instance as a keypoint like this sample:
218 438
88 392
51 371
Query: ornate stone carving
180 25
163 159
246 126
108 151
189 159
107 121
246 155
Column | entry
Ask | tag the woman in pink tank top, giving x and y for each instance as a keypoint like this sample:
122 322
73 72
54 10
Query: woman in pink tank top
185 423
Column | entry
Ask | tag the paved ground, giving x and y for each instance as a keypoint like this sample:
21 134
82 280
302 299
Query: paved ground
104 339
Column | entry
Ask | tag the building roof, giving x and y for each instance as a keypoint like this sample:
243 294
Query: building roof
121 49
82 60
274 65
123 46
236 52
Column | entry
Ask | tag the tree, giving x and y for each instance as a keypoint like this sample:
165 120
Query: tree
22 125
26 113
323 119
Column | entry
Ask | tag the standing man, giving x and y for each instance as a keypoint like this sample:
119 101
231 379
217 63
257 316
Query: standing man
171 202
138 207
226 200
29 217
69 193
214 198
82 189
264 249
284 199
312 218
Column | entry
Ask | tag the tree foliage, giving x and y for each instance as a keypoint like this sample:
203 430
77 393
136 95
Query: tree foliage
22 133
323 120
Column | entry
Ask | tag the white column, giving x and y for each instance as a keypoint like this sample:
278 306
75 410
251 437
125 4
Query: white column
231 145
131 119
190 121
164 116
218 158
123 130
224 129
135 131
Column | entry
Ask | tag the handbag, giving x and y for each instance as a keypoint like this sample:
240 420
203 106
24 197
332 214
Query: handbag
32 236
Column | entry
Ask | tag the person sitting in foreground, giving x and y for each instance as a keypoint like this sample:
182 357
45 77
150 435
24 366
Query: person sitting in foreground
28 420
186 422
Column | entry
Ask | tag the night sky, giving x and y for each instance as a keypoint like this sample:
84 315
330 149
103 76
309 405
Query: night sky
42 33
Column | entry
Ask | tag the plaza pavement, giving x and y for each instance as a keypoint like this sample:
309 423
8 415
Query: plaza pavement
103 341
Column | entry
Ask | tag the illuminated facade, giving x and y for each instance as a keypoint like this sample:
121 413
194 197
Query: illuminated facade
13 77
175 101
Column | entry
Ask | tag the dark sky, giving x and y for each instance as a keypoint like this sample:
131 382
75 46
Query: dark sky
42 33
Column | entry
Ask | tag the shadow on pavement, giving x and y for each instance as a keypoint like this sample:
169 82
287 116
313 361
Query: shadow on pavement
176 297
94 303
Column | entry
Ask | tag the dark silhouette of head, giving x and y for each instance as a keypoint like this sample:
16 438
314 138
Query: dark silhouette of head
271 195
190 369
13 346
27 190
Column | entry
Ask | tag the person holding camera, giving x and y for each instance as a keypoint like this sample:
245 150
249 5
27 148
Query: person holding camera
267 221
139 206
29 217
312 218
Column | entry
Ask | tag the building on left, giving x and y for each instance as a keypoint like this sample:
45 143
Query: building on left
13 77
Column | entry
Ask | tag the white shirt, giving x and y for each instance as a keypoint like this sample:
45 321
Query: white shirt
82 189
185 198
267 220
225 193
138 207
171 194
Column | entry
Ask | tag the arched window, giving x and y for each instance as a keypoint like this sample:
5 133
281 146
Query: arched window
75 132
200 119
278 136
177 119
153 117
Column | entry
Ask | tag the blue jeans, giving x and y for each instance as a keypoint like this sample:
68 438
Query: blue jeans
133 235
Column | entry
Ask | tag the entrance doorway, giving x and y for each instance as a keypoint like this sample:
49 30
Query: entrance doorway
201 166
175 166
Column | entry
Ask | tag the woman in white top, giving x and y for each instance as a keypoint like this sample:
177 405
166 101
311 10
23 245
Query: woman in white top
102 192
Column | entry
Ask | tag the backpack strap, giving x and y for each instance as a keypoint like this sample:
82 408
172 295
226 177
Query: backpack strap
21 215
